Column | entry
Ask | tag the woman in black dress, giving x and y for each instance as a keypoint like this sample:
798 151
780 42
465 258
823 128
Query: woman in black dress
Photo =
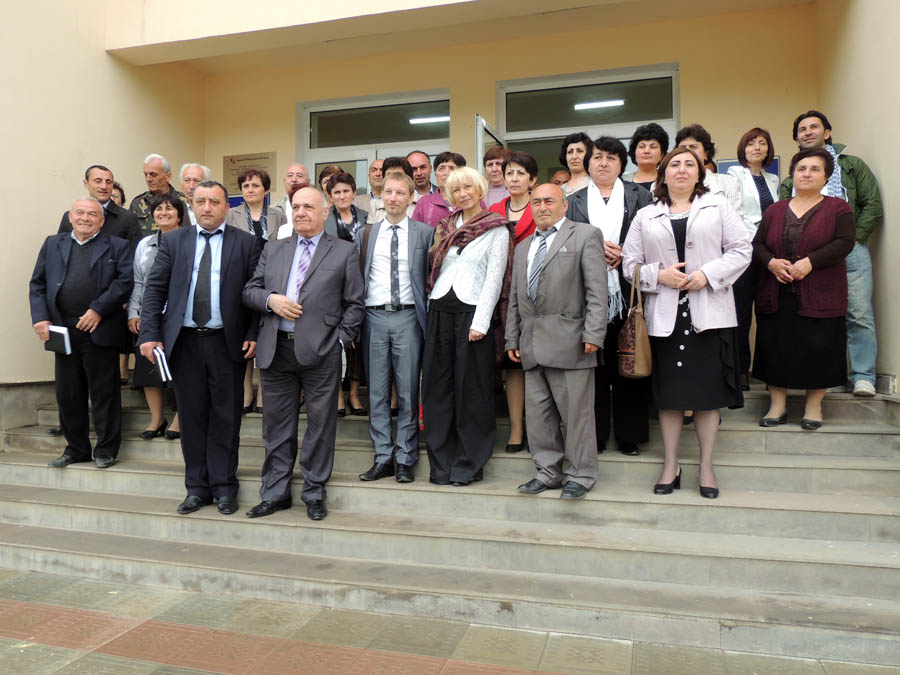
801 301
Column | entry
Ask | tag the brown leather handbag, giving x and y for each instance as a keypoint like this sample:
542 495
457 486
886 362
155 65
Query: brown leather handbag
635 360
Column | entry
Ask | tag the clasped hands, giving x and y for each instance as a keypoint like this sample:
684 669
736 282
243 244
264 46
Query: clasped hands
786 272
673 277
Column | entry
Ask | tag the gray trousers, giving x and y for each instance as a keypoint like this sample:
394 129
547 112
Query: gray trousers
552 397
283 381
392 349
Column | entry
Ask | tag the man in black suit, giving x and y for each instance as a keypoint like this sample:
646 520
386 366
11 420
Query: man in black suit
192 307
309 289
82 280
117 222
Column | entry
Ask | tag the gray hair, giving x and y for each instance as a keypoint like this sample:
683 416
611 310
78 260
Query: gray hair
88 198
207 174
165 163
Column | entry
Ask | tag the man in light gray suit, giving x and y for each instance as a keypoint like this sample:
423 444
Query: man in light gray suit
309 290
554 325
394 255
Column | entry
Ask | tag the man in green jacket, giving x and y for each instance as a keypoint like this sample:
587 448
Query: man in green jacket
855 183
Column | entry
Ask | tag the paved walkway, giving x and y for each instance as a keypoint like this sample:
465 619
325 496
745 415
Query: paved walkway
66 625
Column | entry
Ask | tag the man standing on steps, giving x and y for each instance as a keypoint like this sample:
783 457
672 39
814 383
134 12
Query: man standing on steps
82 280
394 256
192 307
555 322
191 176
157 174
309 291
295 177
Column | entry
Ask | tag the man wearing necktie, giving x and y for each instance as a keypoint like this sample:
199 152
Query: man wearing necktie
309 289
192 307
555 322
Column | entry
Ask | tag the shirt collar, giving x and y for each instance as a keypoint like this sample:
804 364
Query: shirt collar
220 228
82 243
558 225
402 225
314 240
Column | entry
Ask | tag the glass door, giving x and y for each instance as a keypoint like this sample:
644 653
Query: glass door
486 137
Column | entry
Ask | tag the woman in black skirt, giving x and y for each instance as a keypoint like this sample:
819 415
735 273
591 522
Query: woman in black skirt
693 246
801 301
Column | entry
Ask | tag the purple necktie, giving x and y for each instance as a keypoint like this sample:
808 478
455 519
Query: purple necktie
303 263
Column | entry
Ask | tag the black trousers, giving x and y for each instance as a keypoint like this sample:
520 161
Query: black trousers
89 372
209 387
457 397
629 399
744 290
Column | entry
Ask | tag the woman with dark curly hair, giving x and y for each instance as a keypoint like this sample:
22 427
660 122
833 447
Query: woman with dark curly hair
571 155
649 144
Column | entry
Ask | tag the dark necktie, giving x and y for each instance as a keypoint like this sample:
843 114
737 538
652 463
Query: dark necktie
395 267
202 290
537 264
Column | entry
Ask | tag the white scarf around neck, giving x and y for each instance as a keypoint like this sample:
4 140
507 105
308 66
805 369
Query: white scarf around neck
608 216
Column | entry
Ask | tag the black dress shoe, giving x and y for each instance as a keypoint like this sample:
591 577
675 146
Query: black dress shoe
435 481
103 462
268 508
65 460
572 490
709 492
378 471
342 412
148 434
316 509
810 425
55 431
630 449
258 409
404 474
532 487
668 488
227 505
250 407
513 447
773 421
358 412
193 503
172 435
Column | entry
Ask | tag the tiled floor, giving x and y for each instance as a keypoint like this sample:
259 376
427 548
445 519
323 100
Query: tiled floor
69 626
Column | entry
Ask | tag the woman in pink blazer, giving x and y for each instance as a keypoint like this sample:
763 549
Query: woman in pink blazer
693 246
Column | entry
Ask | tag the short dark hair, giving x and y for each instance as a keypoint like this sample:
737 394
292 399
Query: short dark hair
394 162
416 152
212 184
329 170
341 177
813 152
577 137
497 152
811 113
448 156
168 198
524 160
700 134
648 132
87 171
661 190
255 173
755 132
117 186
607 144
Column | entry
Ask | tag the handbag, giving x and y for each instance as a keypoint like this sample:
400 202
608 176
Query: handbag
635 360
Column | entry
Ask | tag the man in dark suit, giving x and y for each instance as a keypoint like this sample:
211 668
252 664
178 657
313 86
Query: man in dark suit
395 263
117 222
192 306
309 290
82 280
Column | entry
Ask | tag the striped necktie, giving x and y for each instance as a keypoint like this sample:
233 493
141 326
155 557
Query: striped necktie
537 264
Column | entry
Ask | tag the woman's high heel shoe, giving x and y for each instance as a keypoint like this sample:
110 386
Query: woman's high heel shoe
668 488
707 492
149 434
249 408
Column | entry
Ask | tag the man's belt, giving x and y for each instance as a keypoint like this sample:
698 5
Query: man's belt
286 335
391 308
203 332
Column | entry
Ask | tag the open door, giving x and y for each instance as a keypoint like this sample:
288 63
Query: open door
485 137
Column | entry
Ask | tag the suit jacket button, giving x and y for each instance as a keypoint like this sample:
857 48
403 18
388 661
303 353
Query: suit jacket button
690 244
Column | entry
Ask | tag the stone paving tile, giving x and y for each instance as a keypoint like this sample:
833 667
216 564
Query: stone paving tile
7 575
577 655
8 642
342 627
81 629
428 637
650 659
22 619
226 652
277 619
100 664
155 641
377 662
34 586
843 668
465 668
85 594
202 609
28 658
742 663
501 646
305 658
142 602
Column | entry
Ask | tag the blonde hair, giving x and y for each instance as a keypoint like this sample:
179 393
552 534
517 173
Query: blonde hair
466 174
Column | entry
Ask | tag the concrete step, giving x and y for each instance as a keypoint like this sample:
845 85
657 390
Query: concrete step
751 470
774 513
839 628
852 569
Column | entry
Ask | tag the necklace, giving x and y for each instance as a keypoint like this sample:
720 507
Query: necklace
512 210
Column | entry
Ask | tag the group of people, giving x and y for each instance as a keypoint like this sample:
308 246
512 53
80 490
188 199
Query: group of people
435 293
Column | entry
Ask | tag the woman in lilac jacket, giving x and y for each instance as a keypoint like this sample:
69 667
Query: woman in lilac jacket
693 246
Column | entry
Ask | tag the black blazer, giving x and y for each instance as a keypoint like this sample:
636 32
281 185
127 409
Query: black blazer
118 222
113 281
169 283
636 198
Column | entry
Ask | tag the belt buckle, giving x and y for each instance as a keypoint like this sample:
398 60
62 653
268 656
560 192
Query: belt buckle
201 332
391 308
289 336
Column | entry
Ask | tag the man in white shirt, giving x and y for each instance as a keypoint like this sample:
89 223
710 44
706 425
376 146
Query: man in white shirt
394 254
397 166
295 177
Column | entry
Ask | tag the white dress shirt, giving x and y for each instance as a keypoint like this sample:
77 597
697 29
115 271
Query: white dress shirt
379 286
291 291
536 242
215 246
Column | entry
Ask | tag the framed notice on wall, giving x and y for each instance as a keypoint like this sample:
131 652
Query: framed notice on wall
233 165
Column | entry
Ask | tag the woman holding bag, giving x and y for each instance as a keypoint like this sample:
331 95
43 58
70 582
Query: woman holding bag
692 247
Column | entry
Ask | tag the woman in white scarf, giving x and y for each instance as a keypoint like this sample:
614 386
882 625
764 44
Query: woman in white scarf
610 204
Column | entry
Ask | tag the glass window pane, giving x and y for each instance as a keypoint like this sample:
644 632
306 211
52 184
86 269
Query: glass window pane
598 104
407 122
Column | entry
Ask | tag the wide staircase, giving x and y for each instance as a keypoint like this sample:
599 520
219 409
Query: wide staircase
799 556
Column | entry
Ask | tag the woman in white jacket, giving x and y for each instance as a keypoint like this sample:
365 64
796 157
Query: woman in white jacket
759 190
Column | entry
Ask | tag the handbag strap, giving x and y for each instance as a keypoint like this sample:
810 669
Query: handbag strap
635 280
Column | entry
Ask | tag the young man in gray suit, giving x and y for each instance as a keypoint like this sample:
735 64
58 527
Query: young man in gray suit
309 291
395 261
554 325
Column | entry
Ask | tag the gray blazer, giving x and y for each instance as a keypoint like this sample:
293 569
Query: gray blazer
420 238
335 229
571 303
237 217
331 296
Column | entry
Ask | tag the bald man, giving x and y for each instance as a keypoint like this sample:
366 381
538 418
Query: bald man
296 177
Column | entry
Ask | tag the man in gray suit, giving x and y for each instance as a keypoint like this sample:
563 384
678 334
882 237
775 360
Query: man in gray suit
554 325
395 261
309 291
